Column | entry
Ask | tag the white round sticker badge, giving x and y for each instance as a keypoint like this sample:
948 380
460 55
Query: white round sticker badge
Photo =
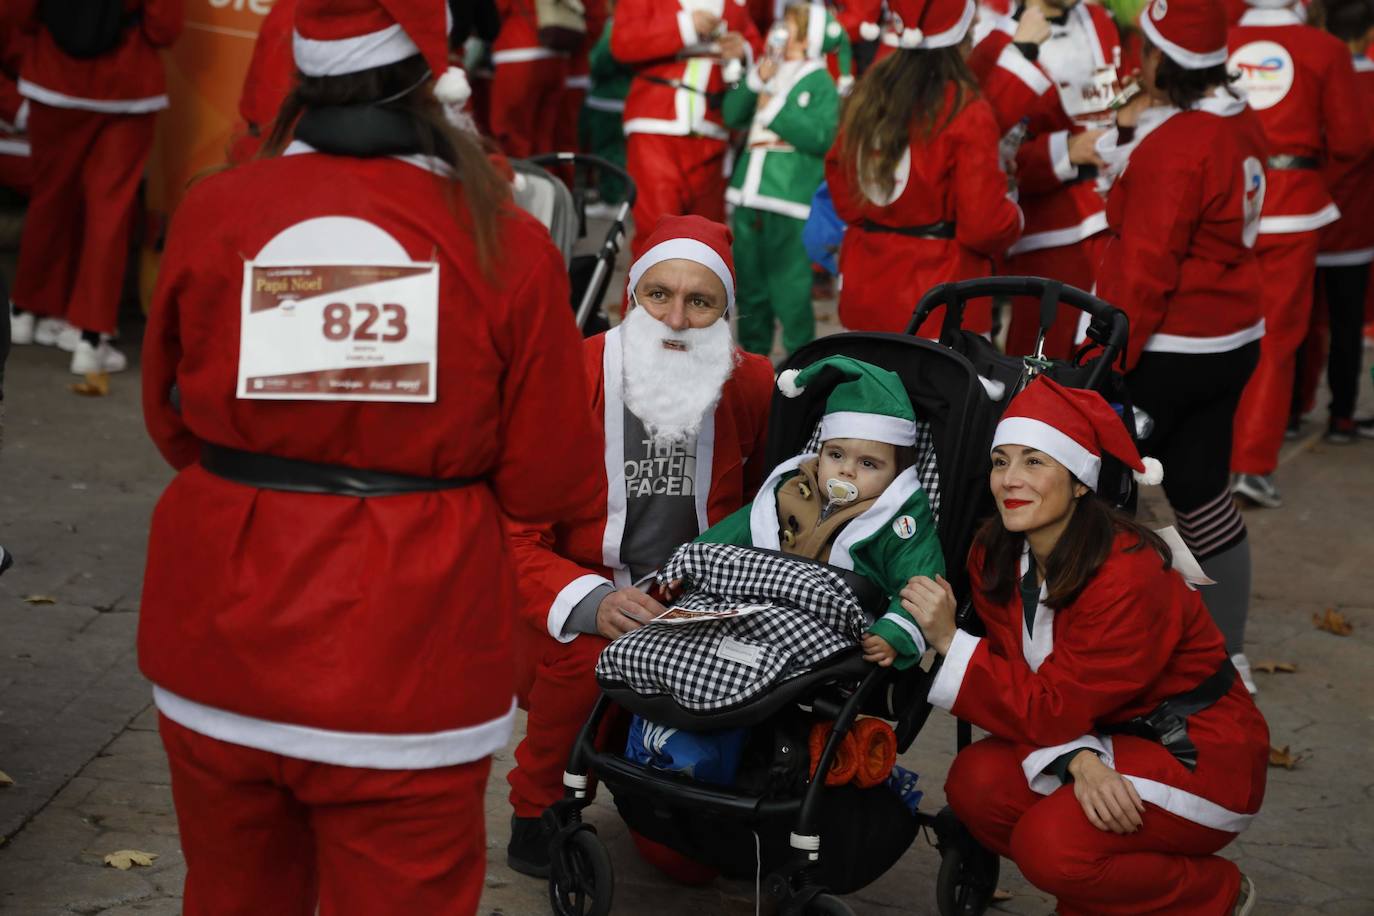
1266 72
904 526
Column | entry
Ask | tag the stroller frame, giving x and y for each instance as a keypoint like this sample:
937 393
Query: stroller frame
968 874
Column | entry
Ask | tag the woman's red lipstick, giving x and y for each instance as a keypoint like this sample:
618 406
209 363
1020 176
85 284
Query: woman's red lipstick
1015 503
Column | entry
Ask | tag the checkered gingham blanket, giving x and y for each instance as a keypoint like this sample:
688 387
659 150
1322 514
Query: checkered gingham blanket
716 665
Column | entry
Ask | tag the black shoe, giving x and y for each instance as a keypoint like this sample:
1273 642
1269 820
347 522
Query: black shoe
1341 431
1293 431
528 849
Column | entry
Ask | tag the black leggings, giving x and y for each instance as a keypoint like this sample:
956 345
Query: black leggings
1192 398
1345 292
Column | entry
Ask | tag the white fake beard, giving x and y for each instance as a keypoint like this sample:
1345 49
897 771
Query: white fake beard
671 391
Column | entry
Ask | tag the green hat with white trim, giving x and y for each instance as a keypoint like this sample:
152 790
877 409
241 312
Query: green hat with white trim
825 35
865 402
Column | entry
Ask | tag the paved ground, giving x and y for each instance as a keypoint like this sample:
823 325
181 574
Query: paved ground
78 480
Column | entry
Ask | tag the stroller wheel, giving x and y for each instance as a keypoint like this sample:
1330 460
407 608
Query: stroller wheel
581 882
827 905
967 879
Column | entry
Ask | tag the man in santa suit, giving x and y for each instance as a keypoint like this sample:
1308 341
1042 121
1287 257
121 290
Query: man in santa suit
1052 66
683 413
16 170
91 128
1300 81
675 147
527 88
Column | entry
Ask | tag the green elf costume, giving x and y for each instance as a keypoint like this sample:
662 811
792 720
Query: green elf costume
888 537
782 165
601 126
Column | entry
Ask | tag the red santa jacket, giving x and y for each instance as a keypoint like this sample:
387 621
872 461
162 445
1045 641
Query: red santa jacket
1300 81
1183 218
383 625
518 40
1064 92
648 35
1350 240
1135 636
559 564
953 177
128 79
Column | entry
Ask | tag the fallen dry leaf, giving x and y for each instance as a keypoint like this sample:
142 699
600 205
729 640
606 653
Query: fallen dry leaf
1000 894
1274 667
40 599
125 859
1333 621
97 385
1283 757
5 779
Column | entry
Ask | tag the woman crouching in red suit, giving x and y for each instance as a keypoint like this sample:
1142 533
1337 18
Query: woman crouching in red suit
1124 751
915 174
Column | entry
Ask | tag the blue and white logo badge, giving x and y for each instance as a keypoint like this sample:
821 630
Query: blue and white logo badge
1266 72
904 526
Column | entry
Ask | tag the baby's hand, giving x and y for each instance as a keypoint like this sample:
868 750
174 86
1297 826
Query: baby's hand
878 651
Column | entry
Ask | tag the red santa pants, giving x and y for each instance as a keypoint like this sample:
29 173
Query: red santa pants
675 176
1075 265
263 833
525 96
86 169
1167 866
1288 262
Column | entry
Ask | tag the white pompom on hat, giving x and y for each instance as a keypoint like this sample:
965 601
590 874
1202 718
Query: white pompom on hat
1075 428
453 87
929 24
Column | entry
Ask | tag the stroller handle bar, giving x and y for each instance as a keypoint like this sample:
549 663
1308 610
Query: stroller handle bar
1107 325
587 159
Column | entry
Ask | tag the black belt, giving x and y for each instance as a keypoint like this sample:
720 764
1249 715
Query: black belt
269 472
713 99
1293 163
941 230
1168 723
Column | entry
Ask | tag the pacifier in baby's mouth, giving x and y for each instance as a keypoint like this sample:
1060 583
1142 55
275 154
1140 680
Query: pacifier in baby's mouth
841 491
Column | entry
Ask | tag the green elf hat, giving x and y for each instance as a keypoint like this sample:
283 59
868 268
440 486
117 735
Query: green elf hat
866 402
825 35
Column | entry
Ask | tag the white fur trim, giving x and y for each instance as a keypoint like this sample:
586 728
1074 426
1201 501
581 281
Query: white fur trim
1038 434
763 515
1033 766
688 250
335 57
944 691
787 383
1015 63
909 628
946 39
875 518
852 424
375 751
1189 60
994 388
1153 475
567 599
452 88
869 31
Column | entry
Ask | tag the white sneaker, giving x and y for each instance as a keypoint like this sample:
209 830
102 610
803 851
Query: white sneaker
1245 900
104 358
49 331
1242 666
68 338
21 327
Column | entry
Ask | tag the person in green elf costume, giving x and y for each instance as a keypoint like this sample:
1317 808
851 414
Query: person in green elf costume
789 106
601 126
859 504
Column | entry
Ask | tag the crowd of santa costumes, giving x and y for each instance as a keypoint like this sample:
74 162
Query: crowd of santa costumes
1225 209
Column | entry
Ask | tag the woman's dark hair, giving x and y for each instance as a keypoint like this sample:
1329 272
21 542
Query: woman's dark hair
1184 87
906 86
1348 20
404 87
1084 546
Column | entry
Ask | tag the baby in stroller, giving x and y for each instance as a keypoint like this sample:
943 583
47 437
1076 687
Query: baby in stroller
858 504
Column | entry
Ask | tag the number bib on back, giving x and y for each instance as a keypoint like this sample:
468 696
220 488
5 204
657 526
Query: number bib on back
339 332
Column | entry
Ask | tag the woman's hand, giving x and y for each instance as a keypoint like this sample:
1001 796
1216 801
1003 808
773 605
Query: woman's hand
878 651
930 602
1108 798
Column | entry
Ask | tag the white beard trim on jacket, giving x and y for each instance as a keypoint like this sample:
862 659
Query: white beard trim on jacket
674 379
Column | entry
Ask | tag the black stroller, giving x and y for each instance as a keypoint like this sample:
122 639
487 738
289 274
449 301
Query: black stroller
783 834
563 210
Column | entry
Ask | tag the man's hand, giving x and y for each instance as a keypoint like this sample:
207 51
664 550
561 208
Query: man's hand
705 23
1083 148
1033 28
731 46
1128 115
1109 800
623 610
930 602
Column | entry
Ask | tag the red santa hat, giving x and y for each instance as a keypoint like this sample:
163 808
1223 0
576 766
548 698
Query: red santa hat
926 24
337 37
689 238
1075 428
1191 32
